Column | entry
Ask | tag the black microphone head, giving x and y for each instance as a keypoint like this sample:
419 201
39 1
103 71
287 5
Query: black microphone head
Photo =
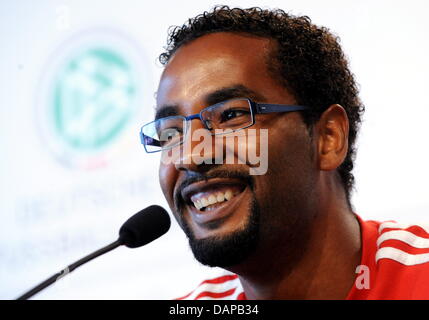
144 227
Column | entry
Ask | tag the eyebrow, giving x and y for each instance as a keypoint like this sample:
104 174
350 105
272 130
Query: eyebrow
232 92
220 95
166 111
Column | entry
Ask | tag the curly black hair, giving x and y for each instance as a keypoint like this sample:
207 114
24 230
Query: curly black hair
309 62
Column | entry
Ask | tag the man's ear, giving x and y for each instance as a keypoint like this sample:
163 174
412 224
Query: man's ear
333 133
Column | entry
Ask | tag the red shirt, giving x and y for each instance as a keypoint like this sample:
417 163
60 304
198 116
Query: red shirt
394 265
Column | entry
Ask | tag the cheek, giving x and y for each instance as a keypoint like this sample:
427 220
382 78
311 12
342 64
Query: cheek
289 152
167 180
287 188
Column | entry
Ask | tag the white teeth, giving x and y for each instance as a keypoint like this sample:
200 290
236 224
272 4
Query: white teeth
228 195
214 198
204 202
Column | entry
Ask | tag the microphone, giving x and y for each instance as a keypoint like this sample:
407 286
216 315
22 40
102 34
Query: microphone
142 228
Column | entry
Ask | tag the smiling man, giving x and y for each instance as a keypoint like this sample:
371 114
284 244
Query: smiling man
290 232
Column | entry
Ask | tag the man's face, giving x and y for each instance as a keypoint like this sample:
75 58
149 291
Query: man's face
262 210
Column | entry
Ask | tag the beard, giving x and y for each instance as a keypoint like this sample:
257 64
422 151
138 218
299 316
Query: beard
231 249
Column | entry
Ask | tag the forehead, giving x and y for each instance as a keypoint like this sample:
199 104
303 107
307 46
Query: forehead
216 61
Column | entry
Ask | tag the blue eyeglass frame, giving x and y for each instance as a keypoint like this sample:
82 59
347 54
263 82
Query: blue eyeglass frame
255 108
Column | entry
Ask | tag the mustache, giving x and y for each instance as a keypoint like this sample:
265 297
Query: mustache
193 177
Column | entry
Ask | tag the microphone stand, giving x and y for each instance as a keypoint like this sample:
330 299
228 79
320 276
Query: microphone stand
69 269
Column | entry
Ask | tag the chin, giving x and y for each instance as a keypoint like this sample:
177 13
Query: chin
226 245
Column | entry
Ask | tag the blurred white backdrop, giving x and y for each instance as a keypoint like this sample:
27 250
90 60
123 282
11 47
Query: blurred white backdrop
65 190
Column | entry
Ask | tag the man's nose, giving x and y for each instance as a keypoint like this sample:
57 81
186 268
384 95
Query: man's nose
198 151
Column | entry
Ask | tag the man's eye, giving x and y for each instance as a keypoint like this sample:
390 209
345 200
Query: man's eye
170 134
233 113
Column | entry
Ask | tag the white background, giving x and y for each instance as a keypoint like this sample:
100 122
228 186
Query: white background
387 45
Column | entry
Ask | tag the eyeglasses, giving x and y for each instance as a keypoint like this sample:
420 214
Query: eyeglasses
229 116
